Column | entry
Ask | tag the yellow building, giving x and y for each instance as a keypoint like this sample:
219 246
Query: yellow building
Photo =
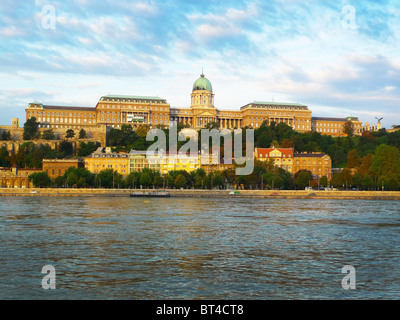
104 158
61 117
138 160
57 167
174 162
16 177
282 157
116 110
335 126
318 164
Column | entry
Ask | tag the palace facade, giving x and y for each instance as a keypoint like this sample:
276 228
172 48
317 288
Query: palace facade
116 110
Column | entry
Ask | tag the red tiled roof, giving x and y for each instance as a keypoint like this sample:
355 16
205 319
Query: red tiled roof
286 152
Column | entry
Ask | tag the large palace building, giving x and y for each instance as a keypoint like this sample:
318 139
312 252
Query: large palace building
116 110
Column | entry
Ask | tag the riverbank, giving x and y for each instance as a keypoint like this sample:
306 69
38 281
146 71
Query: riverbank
282 194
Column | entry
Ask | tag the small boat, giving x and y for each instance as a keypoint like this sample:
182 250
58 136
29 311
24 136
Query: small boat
153 194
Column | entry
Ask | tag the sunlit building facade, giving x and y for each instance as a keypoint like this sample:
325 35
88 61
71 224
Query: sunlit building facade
104 158
117 110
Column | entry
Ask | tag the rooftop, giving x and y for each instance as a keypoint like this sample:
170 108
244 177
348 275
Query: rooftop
285 105
68 108
111 96
310 155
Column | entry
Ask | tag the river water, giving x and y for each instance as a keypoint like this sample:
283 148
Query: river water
182 248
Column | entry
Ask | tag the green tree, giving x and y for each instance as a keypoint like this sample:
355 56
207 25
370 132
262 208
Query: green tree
386 161
72 179
323 182
82 134
70 133
5 135
4 157
180 181
157 181
367 182
86 149
302 179
108 178
40 179
353 159
146 179
31 129
218 180
278 182
48 134
349 128
65 149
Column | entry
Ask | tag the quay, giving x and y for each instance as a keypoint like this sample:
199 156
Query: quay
194 193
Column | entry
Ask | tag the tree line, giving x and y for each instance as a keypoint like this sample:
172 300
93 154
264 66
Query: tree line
367 162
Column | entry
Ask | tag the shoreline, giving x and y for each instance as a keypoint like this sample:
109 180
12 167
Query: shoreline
190 193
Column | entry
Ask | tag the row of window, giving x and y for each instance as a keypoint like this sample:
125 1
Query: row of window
62 120
31 113
134 107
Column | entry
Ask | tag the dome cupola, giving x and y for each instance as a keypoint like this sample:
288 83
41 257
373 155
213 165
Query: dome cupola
202 83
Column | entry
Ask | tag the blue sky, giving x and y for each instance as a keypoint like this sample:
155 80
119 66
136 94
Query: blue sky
337 62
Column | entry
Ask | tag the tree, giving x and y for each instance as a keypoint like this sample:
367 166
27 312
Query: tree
4 157
386 161
142 130
87 148
337 180
353 159
302 179
108 178
180 181
70 133
349 128
218 179
31 129
72 179
82 134
48 134
212 125
323 182
65 149
157 181
278 182
5 135
368 182
347 178
40 179
146 179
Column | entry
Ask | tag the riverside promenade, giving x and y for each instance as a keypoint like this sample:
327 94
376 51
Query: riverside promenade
191 193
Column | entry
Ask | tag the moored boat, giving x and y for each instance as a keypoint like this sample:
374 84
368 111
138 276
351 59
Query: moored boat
152 194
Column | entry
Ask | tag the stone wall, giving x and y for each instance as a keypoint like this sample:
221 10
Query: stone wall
94 134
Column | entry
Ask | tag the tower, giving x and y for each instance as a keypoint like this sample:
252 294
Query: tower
202 103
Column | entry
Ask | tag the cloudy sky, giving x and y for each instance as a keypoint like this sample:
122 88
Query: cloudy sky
340 58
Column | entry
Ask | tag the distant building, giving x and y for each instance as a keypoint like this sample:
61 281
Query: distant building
138 161
104 158
57 167
318 164
335 126
174 162
117 110
16 178
282 157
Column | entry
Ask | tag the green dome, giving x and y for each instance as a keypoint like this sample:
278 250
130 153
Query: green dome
202 83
